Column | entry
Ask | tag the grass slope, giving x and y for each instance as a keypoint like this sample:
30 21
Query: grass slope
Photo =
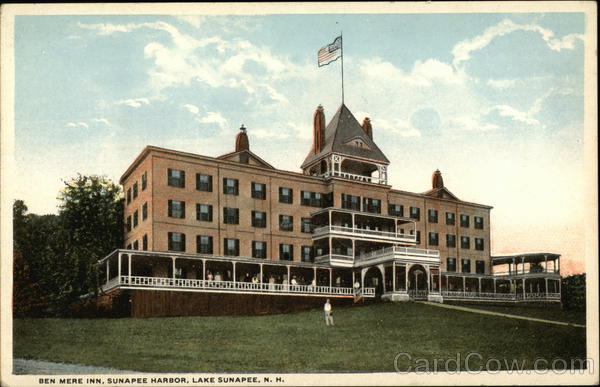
548 313
365 339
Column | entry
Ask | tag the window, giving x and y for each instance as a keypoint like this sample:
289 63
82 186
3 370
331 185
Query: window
286 223
313 199
259 249
465 242
306 254
433 238
396 209
204 244
351 202
204 212
259 219
450 264
464 220
259 191
128 223
128 195
144 180
372 205
286 195
306 225
286 252
136 245
145 211
230 186
450 218
432 216
450 240
203 182
479 267
478 243
176 241
135 218
145 242
478 222
135 190
176 178
231 215
231 247
465 265
415 213
176 209
244 158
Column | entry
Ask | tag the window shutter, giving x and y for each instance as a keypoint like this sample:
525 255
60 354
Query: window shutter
170 209
183 210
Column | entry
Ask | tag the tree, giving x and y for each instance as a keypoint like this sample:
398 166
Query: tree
91 212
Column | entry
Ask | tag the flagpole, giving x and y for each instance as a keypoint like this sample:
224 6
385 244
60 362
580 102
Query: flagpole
342 47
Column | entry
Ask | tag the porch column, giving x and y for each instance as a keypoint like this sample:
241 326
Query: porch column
479 284
107 270
315 274
393 276
330 277
494 285
464 284
353 278
234 279
204 270
329 213
558 259
353 225
129 260
119 256
406 278
261 272
523 281
560 286
289 280
173 262
523 264
546 287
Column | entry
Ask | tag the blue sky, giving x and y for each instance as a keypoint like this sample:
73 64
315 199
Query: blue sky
495 101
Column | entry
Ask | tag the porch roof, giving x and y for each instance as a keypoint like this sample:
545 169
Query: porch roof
524 257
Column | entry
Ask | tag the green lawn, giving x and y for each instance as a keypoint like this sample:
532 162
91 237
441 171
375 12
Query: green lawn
365 339
548 313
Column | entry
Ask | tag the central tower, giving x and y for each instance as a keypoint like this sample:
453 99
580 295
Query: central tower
345 149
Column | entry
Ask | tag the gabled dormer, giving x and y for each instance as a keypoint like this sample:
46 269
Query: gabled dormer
345 149
242 153
438 190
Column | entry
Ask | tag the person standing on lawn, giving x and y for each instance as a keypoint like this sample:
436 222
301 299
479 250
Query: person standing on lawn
328 314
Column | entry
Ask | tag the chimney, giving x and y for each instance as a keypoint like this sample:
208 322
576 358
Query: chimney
366 125
437 181
318 129
241 140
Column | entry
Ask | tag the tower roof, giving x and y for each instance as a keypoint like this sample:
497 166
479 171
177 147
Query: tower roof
341 136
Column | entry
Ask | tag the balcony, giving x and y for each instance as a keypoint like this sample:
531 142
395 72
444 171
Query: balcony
337 260
162 283
362 233
543 273
352 176
411 254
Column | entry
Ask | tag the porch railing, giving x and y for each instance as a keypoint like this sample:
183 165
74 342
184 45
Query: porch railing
231 286
417 294
352 176
400 251
499 296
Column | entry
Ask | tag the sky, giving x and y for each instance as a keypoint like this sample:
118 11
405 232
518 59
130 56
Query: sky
495 101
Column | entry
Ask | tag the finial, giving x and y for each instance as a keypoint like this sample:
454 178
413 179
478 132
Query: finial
243 128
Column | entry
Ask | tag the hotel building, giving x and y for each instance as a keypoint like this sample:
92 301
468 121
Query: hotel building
238 228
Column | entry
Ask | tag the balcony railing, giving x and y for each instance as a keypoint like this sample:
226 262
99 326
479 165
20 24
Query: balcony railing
400 252
352 176
238 287
361 232
417 294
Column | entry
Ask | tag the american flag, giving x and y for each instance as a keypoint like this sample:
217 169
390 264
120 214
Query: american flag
330 53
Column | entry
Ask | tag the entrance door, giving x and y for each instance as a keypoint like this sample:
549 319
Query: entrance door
374 279
417 282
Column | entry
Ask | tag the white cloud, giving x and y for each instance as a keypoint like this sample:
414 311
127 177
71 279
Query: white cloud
194 20
514 114
213 118
102 121
192 108
72 125
462 50
77 125
501 84
468 123
83 124
133 102
396 126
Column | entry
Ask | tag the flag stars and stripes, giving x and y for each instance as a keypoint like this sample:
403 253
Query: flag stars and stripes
330 53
